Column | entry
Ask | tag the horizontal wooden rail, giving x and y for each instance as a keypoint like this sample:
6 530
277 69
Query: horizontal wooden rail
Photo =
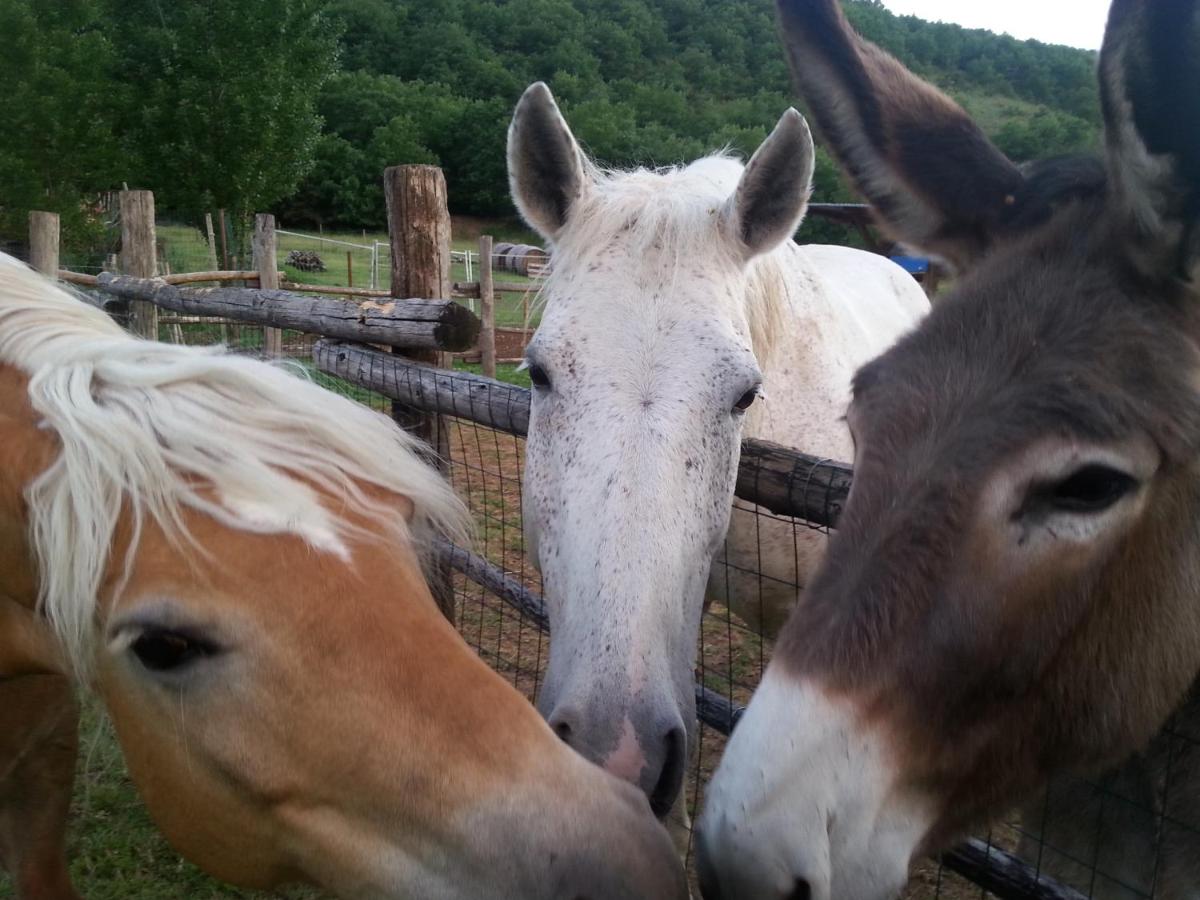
81 278
783 481
1007 876
410 324
471 288
224 275
790 483
178 278
221 275
476 398
333 289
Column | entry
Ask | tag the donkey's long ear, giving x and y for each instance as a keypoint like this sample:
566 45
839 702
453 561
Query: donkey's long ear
772 194
933 177
547 172
1150 87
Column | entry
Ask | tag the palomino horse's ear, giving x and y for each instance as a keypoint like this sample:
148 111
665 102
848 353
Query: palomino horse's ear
933 177
772 194
1150 87
547 172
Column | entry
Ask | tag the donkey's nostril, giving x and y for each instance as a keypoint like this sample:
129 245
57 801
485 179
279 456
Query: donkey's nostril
563 730
800 891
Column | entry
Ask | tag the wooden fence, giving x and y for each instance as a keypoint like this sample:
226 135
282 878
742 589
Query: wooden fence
782 480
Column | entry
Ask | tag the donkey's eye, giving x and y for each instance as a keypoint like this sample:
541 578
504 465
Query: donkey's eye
747 399
1090 489
538 376
161 650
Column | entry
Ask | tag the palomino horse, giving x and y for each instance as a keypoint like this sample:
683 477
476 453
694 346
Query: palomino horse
1011 595
677 297
230 554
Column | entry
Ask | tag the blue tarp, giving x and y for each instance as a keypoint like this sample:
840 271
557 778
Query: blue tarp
914 265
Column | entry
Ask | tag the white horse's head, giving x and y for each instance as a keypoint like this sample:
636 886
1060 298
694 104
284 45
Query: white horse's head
643 367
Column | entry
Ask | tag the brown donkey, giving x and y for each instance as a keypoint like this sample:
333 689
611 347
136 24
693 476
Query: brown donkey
1014 591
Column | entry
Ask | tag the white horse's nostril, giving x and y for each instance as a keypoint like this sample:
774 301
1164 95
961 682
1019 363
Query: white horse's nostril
565 724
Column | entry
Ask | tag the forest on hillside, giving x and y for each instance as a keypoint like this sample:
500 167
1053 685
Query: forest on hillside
297 105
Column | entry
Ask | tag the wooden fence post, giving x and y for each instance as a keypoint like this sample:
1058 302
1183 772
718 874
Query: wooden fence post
266 262
138 252
419 231
224 245
487 308
43 242
212 242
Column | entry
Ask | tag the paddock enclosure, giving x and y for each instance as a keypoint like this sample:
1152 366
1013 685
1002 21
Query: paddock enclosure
395 357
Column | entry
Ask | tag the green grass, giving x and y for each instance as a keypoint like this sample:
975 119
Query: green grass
504 372
185 249
116 852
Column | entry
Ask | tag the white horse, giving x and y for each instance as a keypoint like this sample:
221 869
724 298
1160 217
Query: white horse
676 300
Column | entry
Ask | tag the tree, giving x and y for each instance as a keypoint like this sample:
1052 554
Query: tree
57 145
225 96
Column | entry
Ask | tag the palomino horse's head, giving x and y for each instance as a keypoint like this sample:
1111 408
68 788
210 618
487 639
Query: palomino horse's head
642 368
1012 591
230 552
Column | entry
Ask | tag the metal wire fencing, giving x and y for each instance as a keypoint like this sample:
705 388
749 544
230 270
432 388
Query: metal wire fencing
1133 833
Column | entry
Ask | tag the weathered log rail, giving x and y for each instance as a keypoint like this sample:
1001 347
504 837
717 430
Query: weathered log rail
471 288
475 398
411 324
781 480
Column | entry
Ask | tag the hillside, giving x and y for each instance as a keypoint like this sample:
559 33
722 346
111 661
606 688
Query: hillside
297 105
641 81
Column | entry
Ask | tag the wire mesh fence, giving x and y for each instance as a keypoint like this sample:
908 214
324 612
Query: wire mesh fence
1098 838
1132 833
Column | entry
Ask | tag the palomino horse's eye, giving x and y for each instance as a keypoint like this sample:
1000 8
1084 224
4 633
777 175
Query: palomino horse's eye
1090 489
538 376
165 651
746 400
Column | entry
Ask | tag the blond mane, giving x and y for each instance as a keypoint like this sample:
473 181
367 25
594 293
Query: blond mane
669 216
158 429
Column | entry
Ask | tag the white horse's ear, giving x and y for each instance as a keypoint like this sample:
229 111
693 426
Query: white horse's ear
547 171
772 195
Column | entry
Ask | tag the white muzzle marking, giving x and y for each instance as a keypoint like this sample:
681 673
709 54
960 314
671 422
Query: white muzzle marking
806 795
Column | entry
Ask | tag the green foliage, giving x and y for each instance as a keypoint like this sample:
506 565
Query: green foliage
225 108
236 104
643 83
210 104
58 102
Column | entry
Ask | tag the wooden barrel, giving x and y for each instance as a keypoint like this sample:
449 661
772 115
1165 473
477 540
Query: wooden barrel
499 254
528 256
510 258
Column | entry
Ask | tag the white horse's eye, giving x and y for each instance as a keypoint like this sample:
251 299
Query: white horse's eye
747 399
538 376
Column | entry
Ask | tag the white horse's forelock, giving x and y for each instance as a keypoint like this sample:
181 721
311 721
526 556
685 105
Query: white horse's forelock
667 219
157 429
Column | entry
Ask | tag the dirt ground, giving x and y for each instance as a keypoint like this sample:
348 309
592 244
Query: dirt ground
510 343
487 468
